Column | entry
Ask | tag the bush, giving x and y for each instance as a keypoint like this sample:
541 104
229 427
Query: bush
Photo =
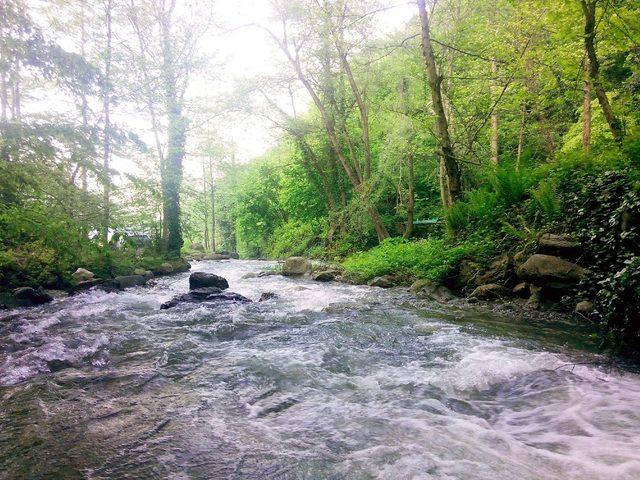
431 259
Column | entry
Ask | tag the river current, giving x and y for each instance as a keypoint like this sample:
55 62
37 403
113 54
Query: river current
326 381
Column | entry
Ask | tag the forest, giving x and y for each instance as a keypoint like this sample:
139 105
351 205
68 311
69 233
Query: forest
421 148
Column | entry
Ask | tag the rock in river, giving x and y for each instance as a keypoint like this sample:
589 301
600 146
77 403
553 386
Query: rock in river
294 266
203 279
205 295
28 296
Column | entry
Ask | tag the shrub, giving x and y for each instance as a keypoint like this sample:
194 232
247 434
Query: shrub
431 259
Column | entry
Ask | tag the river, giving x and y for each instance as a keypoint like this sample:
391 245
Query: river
327 381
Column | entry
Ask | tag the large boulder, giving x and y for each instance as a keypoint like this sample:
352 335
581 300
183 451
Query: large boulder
172 266
28 296
203 280
431 290
82 275
128 281
550 271
164 269
217 256
208 296
294 266
490 291
384 281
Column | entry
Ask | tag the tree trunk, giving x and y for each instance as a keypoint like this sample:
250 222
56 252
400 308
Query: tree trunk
176 140
451 168
523 118
411 197
589 10
84 105
586 109
106 98
212 191
206 208
494 112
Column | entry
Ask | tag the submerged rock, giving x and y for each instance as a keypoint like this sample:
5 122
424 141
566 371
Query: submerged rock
267 296
203 279
206 295
294 266
128 281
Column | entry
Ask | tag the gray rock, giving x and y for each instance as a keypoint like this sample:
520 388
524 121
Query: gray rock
209 296
584 307
56 293
267 296
468 271
87 284
82 275
551 271
535 299
203 279
557 244
164 269
432 291
128 281
217 256
325 275
385 281
294 266
522 290
31 296
499 271
490 291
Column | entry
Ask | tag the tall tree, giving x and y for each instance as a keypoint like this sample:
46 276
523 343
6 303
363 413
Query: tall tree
451 186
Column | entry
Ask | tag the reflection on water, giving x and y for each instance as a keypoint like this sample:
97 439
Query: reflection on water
325 381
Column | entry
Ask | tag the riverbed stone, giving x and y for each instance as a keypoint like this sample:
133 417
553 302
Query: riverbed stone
29 296
208 296
56 293
203 279
87 284
384 281
295 266
490 291
128 281
534 302
325 275
551 271
431 291
521 290
82 275
267 296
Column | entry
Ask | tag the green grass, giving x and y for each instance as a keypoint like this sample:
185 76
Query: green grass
431 259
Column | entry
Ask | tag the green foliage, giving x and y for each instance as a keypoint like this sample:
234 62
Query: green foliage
431 259
296 238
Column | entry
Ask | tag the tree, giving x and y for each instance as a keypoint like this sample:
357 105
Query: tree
451 188
593 68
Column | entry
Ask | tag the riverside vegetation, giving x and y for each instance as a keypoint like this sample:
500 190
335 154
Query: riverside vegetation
490 147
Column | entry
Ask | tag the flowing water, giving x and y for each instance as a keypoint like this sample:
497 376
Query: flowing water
327 381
